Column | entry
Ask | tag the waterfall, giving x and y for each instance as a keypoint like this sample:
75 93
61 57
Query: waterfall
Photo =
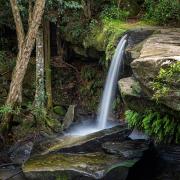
111 84
109 91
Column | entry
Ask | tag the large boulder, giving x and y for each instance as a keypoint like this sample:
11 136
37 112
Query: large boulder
74 143
135 99
78 166
159 51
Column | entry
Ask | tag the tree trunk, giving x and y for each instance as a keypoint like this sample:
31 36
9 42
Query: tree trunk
87 8
40 89
18 22
22 59
47 55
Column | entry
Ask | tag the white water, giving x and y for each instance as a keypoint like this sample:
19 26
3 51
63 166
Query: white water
111 84
108 94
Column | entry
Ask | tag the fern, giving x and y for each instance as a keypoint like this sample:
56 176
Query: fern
162 128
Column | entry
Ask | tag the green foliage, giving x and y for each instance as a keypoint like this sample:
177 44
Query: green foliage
39 113
8 109
162 127
116 103
133 119
91 87
113 12
162 11
168 80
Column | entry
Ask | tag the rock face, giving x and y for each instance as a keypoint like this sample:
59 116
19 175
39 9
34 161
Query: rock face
78 166
159 50
135 99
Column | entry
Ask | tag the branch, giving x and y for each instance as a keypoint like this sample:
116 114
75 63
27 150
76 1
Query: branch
18 22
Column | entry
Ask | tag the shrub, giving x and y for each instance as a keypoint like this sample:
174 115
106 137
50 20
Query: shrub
162 11
114 12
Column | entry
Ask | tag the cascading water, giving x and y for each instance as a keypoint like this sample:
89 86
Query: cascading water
111 84
108 94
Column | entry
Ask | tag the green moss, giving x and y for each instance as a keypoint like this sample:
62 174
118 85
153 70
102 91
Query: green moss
59 110
105 35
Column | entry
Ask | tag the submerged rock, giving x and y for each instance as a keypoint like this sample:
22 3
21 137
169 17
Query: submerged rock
87 143
127 149
78 166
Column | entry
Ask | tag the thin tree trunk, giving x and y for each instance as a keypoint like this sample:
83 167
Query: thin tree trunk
18 22
87 8
47 55
119 3
40 89
22 59
30 10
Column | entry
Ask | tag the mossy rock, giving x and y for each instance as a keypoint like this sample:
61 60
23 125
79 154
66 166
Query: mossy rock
78 166
59 110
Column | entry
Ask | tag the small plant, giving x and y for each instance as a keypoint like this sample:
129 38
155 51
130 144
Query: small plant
8 109
167 80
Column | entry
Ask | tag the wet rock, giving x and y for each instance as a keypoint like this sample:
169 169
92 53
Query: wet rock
138 135
78 166
87 143
132 95
170 153
69 117
169 163
126 149
10 171
20 152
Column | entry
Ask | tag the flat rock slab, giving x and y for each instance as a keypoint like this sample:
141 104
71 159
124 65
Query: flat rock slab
127 149
73 144
78 166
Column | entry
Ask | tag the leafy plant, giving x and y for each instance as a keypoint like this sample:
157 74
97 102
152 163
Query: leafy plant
162 11
163 128
8 109
113 12
167 80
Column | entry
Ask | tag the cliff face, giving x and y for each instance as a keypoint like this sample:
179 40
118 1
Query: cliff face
156 73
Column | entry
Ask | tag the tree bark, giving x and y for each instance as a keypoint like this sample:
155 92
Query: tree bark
40 89
47 55
18 22
87 8
30 10
22 57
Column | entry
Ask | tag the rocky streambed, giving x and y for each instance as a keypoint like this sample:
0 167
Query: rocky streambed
107 154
